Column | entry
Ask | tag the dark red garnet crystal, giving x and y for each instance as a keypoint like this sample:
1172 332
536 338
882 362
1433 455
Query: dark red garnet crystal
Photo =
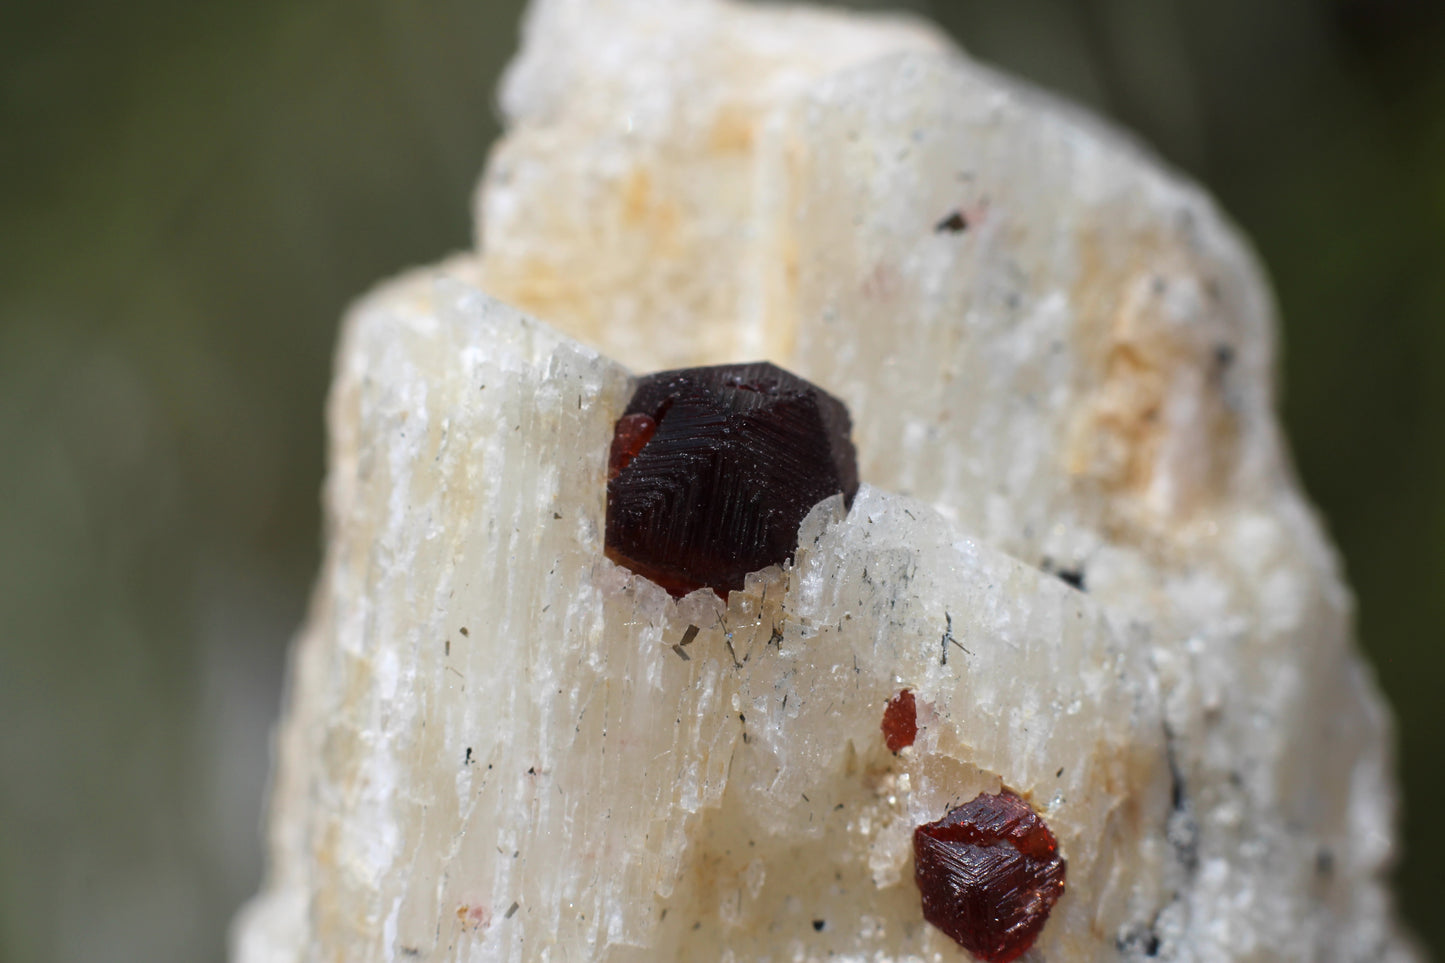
900 721
989 872
712 470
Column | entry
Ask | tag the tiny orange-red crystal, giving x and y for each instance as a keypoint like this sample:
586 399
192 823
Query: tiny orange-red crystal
900 721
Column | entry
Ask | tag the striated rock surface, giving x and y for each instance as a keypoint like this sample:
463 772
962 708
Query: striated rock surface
1078 542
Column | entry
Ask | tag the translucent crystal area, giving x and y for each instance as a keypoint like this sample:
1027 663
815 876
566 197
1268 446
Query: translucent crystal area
712 470
631 433
900 721
989 873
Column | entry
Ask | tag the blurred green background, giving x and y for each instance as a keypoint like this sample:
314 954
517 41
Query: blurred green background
191 194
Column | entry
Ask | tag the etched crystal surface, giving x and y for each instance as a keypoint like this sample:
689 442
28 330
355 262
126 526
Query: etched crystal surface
721 465
990 874
501 746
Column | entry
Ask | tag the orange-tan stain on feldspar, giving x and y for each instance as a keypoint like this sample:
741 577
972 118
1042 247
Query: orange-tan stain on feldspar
732 131
651 214
1139 363
541 286
636 228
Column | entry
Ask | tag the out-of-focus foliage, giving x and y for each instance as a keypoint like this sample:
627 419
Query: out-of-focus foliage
191 192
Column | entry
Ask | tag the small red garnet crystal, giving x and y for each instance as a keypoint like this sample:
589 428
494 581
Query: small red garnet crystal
900 721
712 470
990 873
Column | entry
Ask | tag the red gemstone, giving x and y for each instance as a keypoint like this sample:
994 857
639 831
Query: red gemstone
713 469
900 721
628 438
989 873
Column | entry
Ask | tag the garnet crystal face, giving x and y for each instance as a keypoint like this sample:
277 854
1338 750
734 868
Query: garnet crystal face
713 469
990 873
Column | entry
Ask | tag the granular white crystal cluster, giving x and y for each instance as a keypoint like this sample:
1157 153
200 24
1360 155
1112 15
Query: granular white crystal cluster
1079 541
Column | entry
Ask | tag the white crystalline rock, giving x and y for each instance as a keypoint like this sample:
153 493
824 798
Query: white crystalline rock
1058 360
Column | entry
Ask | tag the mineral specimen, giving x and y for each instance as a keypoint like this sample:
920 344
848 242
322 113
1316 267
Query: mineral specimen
499 746
712 470
989 873
900 721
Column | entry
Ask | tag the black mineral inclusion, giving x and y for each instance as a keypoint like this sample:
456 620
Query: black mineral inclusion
713 469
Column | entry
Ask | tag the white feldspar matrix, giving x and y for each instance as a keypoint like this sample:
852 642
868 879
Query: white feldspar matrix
1079 542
